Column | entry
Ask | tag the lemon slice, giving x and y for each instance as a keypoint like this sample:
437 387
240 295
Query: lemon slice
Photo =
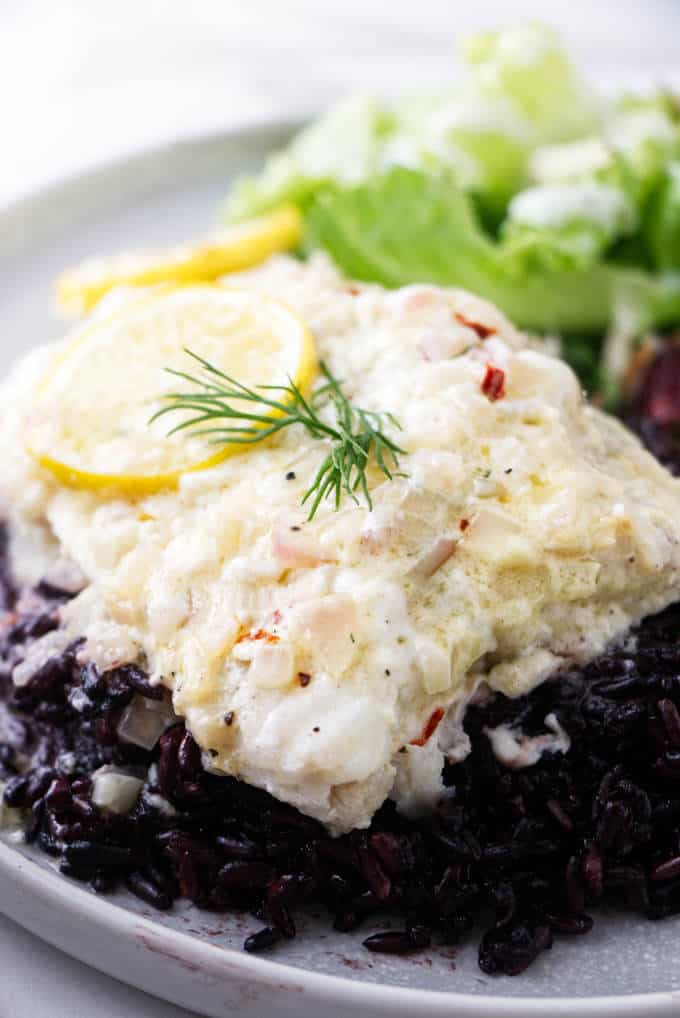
232 249
90 425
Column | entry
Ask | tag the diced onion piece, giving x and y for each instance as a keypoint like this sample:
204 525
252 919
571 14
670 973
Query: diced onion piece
497 538
326 627
272 665
295 550
143 721
435 665
434 558
114 789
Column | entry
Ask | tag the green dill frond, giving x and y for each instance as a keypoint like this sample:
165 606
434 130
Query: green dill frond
216 406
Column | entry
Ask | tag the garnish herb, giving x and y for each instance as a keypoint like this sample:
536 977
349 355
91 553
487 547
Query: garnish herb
355 436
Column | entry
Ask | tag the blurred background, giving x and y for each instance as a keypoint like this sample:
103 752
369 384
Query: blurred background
82 80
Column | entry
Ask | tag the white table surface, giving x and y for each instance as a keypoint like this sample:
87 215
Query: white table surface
82 81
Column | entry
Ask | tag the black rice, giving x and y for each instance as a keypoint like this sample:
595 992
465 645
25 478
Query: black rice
528 853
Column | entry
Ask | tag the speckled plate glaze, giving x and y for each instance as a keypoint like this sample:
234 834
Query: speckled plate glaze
626 967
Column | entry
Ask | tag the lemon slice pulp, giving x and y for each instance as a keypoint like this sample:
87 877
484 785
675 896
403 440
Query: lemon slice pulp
230 250
90 425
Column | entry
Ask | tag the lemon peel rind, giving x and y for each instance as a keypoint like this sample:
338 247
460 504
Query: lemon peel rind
75 294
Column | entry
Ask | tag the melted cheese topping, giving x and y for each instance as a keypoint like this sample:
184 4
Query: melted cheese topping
316 659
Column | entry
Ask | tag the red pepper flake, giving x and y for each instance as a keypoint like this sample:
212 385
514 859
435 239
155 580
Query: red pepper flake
464 524
493 385
259 634
264 634
304 678
353 290
429 727
483 331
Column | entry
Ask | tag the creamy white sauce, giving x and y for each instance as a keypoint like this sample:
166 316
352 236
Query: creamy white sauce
515 749
397 614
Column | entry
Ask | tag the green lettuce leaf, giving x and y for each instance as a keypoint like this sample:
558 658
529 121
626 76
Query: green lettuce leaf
528 249
565 226
407 226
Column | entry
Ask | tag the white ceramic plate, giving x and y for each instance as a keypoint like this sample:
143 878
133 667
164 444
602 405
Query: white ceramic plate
627 966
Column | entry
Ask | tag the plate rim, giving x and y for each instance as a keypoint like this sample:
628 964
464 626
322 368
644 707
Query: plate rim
67 896
129 157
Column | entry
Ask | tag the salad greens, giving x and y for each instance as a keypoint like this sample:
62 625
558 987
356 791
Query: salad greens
565 226
408 225
521 185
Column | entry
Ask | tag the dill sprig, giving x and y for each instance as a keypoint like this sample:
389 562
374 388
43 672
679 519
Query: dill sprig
355 436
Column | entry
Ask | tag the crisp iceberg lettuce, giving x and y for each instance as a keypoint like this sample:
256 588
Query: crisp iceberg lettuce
407 225
565 226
